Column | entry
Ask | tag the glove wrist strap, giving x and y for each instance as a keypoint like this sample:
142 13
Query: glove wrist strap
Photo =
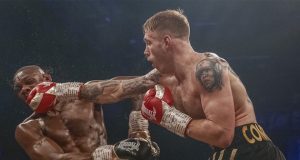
140 134
103 153
175 121
69 90
138 125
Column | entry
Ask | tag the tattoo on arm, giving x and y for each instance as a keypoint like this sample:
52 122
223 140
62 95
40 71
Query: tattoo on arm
137 102
231 70
116 89
108 89
141 84
137 87
209 74
90 92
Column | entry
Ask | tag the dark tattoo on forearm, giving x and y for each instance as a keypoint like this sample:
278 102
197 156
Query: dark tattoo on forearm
140 85
135 87
90 92
115 90
209 74
108 89
153 75
137 102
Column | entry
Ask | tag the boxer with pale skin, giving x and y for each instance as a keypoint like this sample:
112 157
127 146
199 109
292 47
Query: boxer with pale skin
199 95
66 123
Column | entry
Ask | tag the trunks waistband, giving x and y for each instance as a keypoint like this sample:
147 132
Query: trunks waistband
247 134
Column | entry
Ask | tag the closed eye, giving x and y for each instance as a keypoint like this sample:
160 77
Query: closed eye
29 81
147 42
17 88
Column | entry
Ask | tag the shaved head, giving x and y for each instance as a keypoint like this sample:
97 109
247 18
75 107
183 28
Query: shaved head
26 69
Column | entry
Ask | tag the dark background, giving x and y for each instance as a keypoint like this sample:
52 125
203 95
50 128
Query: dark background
98 39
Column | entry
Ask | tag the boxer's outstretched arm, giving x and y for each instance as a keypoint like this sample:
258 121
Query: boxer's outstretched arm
39 147
217 101
119 88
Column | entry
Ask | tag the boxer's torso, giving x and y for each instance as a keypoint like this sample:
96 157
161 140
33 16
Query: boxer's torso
75 126
187 92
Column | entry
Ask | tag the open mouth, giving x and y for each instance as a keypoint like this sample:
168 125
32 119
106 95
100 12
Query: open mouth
148 59
25 95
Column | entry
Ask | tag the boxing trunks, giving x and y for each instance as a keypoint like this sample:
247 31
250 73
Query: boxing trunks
250 142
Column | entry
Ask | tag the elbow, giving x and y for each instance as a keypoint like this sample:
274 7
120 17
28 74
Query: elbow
225 142
225 138
19 132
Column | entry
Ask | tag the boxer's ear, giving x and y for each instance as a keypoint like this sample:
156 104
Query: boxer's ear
47 77
167 40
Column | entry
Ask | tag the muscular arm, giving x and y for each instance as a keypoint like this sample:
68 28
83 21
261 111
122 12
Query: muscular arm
138 125
119 88
39 147
136 100
218 127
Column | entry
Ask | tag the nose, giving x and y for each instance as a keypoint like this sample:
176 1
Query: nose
25 90
146 53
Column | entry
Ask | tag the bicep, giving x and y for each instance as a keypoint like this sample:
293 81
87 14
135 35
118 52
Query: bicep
216 98
30 137
219 108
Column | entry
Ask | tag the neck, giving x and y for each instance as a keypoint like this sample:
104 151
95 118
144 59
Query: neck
184 54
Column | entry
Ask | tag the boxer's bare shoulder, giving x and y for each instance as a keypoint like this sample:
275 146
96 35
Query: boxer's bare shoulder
29 127
29 136
209 74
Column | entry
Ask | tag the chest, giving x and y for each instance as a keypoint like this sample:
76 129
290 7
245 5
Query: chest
187 98
75 126
72 120
78 113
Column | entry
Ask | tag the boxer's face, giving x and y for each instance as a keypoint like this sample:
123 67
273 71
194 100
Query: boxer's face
26 80
155 52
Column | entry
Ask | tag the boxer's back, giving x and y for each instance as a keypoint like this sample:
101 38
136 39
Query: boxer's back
244 110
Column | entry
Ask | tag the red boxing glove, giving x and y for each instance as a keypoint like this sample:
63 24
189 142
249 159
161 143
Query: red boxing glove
42 98
155 101
158 108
